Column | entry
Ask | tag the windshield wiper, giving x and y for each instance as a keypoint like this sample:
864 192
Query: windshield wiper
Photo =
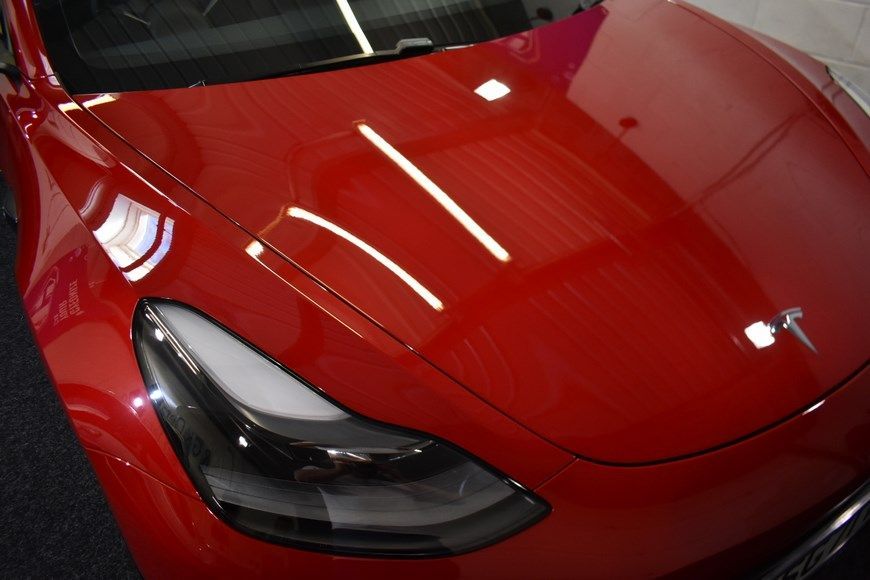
405 48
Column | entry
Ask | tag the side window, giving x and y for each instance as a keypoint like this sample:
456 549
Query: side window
7 56
5 41
4 38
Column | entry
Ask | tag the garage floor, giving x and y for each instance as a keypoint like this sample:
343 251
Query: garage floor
54 520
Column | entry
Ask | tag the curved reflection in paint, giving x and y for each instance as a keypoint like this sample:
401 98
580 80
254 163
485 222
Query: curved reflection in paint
390 265
135 237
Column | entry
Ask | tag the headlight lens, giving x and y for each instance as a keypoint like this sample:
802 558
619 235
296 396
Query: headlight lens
276 459
858 94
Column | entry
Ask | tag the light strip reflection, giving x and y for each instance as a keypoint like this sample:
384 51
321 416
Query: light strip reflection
354 26
436 192
421 290
98 100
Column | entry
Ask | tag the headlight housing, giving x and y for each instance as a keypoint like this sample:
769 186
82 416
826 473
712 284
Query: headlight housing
276 459
858 94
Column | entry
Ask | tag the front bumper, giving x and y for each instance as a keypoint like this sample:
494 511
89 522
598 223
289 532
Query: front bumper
822 545
721 514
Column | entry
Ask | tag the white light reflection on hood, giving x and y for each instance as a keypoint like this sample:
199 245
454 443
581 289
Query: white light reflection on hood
436 192
390 265
135 237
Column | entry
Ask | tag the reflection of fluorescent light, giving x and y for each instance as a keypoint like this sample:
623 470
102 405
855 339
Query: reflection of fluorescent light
846 516
130 233
432 189
492 90
155 258
813 408
433 301
255 249
354 26
759 334
100 100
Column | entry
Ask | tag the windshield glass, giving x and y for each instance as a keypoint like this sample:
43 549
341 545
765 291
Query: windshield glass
120 45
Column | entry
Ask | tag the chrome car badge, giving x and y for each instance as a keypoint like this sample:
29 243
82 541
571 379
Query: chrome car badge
788 320
763 335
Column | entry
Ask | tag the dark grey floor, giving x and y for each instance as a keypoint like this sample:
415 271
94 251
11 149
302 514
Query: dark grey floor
54 520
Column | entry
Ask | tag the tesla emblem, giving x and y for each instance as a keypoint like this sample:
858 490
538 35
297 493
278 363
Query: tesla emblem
763 335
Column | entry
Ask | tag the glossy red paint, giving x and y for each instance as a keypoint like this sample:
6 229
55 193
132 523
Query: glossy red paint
608 522
639 231
644 235
274 306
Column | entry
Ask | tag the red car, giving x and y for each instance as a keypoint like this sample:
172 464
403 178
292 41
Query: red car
442 288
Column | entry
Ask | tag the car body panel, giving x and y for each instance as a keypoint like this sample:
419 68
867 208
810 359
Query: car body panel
809 75
719 515
644 237
75 294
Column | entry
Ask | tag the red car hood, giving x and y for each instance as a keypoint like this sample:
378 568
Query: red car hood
585 252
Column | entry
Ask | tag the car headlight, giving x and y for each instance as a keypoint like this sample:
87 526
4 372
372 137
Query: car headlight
858 94
276 459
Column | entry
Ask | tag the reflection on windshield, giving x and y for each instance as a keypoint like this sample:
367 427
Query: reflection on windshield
355 28
100 46
135 237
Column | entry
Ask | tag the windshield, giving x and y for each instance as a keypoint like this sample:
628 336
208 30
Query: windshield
120 45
